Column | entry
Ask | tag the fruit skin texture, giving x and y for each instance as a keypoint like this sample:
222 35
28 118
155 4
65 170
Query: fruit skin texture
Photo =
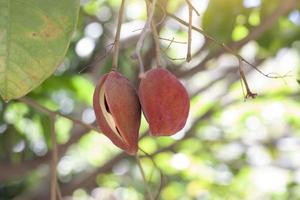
118 111
165 102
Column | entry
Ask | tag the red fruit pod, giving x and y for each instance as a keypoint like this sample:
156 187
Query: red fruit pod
118 111
165 102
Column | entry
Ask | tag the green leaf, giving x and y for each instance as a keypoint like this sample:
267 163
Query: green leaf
34 37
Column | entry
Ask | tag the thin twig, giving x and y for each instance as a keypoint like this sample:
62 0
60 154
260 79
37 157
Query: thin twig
193 8
59 195
224 46
160 172
242 86
169 45
283 7
248 94
193 27
165 51
231 51
100 57
174 59
143 35
189 48
172 40
43 109
53 184
117 37
144 177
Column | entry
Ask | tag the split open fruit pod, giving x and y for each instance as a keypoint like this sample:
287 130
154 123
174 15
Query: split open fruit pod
165 102
118 111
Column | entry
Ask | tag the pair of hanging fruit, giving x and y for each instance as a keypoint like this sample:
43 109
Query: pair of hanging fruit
163 99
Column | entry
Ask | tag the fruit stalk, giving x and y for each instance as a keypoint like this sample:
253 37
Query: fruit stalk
117 37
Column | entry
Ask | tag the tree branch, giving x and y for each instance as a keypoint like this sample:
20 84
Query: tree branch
43 109
18 170
283 8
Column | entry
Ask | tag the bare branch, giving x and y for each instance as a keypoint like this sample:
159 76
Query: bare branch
248 94
160 172
283 8
172 40
99 56
43 109
193 8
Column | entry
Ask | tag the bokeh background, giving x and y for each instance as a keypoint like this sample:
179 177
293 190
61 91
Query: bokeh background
229 149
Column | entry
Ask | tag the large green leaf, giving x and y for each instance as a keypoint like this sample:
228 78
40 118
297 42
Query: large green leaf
34 37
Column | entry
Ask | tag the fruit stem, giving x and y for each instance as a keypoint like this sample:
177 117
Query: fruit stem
144 177
143 35
160 172
155 38
157 44
117 37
